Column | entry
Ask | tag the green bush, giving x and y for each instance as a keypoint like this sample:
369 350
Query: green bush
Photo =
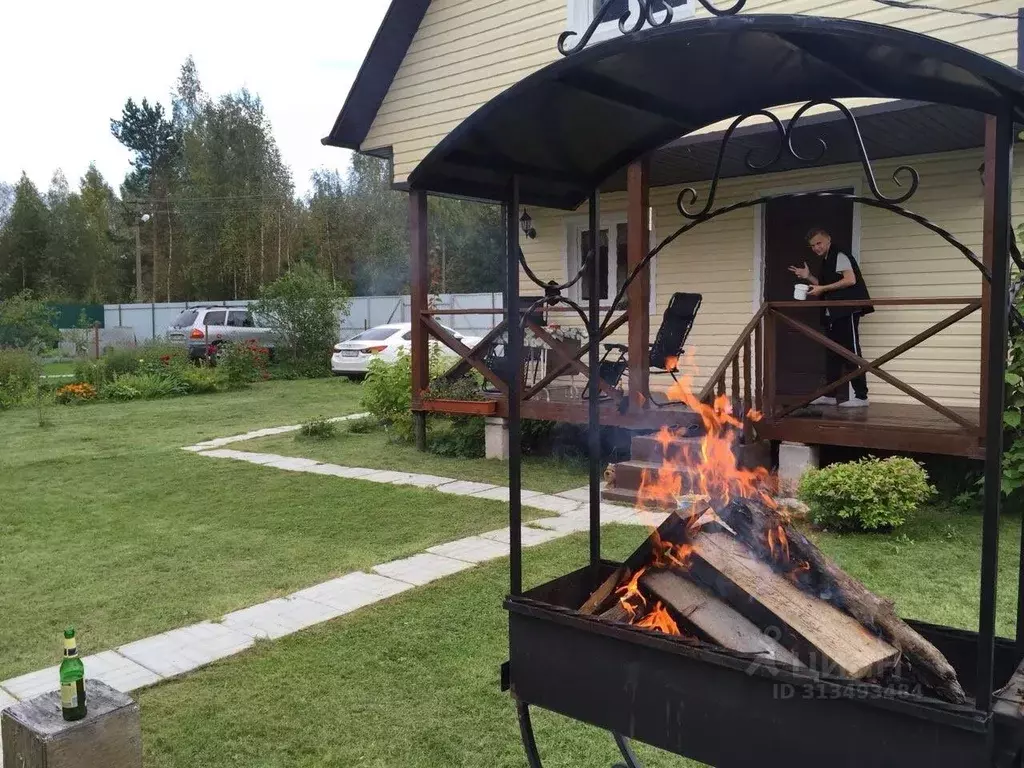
461 438
200 380
145 386
869 494
363 426
27 323
387 391
122 389
301 307
242 363
19 374
118 361
92 372
319 429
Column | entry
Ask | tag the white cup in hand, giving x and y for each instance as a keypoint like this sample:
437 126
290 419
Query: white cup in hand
800 291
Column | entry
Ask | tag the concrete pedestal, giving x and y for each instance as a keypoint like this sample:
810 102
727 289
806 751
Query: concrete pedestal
496 437
35 735
794 460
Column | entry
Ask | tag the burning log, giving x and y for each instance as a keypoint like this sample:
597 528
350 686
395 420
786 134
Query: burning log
820 633
712 619
754 522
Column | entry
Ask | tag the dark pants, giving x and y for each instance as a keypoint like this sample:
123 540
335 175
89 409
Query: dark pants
845 331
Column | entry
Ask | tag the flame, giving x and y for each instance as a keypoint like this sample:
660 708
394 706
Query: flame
631 591
658 618
777 539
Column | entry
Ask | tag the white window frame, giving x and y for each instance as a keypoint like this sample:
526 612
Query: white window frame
572 258
579 14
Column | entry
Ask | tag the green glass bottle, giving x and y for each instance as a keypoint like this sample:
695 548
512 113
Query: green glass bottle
72 679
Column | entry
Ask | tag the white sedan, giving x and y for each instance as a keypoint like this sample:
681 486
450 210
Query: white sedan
350 358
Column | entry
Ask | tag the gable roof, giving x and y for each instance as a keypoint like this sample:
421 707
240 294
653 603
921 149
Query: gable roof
376 73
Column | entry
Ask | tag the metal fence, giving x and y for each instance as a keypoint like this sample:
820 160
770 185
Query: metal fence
148 321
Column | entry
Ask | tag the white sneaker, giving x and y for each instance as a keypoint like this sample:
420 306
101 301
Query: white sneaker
823 401
855 402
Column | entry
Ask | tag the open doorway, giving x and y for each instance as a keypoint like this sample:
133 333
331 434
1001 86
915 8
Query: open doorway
800 362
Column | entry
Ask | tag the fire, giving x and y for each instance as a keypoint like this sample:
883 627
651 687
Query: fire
658 618
777 538
631 591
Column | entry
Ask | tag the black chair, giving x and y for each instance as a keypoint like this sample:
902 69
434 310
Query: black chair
668 343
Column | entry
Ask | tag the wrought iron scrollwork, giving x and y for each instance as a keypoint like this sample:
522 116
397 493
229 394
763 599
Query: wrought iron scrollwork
786 146
646 10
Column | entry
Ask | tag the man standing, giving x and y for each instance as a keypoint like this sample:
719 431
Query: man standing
838 278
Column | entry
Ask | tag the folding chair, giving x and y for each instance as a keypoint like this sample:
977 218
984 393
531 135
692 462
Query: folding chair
667 347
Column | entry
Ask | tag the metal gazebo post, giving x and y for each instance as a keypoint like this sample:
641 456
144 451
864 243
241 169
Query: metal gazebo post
996 362
594 415
512 355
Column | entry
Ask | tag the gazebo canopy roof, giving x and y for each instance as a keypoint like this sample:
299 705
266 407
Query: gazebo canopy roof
566 128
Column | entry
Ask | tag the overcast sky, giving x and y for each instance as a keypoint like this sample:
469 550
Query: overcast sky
69 66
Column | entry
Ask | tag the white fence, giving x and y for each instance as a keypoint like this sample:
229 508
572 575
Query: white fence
149 321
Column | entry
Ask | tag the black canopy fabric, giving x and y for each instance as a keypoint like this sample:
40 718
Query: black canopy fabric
567 127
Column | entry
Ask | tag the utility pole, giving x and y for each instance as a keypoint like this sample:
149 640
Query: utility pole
138 262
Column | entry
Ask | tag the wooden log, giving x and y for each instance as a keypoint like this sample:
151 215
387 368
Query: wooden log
713 619
36 736
752 520
822 635
603 593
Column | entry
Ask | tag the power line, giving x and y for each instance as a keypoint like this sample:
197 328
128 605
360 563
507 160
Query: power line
958 11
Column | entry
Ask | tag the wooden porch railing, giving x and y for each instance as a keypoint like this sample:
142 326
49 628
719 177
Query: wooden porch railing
748 370
566 358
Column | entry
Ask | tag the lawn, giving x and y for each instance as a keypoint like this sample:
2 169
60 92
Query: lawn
376 450
413 681
58 369
108 525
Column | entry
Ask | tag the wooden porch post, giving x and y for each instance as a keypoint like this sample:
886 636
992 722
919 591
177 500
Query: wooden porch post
988 232
638 295
418 279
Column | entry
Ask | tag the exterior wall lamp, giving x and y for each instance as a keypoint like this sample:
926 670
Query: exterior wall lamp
526 223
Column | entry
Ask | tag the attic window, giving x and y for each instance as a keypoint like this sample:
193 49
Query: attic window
582 12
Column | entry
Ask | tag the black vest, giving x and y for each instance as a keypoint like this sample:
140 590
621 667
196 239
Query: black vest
828 274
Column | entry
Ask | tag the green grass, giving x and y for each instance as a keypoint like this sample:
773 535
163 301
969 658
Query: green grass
413 681
105 523
58 369
376 450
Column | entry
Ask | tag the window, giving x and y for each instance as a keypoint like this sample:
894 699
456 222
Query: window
582 12
239 319
185 319
613 265
214 318
375 334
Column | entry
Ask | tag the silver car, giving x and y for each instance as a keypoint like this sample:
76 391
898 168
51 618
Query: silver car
200 328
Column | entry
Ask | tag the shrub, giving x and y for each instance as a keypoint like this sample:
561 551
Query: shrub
118 361
92 372
75 393
869 494
19 373
199 380
144 386
122 389
319 429
242 363
464 388
301 307
461 438
387 391
363 426
27 323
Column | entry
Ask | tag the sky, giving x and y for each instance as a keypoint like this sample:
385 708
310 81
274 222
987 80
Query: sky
70 66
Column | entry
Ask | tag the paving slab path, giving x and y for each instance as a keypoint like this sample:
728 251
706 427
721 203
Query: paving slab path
166 655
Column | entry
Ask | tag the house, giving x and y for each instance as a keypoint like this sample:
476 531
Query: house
434 63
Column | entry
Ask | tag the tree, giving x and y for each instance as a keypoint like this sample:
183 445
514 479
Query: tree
27 323
23 240
302 308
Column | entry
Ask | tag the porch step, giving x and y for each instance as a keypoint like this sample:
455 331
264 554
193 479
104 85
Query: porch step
629 474
628 497
649 448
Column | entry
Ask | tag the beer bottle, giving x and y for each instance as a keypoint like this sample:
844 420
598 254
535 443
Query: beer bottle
72 679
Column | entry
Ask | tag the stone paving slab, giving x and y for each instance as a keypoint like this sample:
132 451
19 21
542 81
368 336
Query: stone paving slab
109 666
530 537
291 463
182 650
266 432
425 481
422 568
353 590
549 503
465 488
387 476
338 471
255 458
563 524
577 494
502 494
472 549
228 453
280 617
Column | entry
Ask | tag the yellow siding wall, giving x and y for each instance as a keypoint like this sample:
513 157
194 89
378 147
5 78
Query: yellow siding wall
467 51
899 258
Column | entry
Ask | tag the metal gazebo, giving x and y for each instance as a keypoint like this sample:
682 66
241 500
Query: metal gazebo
552 140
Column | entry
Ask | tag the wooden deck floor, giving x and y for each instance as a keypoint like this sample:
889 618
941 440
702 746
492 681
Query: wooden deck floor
913 428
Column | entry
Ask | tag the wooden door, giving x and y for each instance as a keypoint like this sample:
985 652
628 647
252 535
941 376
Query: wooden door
800 362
